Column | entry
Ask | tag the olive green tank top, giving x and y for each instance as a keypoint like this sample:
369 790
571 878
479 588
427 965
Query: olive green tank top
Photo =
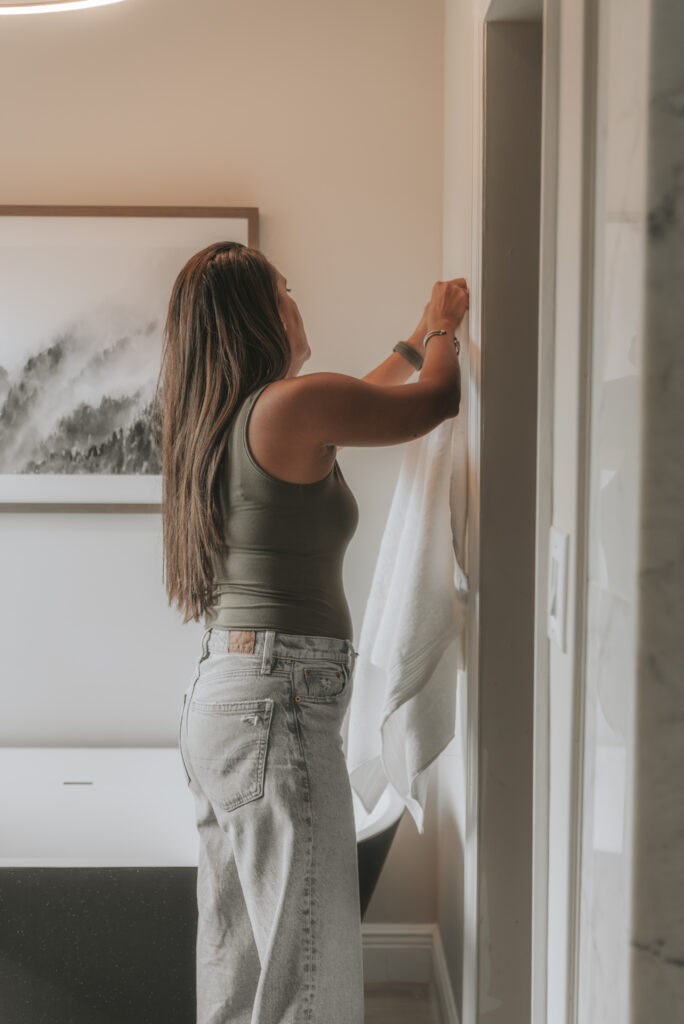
286 545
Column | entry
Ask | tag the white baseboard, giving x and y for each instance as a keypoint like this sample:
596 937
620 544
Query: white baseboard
408 952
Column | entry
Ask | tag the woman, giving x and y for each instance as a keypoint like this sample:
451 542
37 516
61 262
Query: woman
256 517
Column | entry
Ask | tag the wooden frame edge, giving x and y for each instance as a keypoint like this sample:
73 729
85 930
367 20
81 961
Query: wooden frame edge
249 213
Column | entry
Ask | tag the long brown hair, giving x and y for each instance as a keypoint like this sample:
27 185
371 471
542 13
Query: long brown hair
223 337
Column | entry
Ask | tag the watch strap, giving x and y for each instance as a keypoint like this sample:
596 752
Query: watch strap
409 352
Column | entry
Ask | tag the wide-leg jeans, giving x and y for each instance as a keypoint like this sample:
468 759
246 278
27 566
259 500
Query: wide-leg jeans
279 924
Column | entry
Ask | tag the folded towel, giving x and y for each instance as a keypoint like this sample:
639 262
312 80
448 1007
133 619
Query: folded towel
402 713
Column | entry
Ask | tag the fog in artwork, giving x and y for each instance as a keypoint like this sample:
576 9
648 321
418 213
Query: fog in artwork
76 406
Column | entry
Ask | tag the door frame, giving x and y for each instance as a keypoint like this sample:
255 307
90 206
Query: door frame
550 19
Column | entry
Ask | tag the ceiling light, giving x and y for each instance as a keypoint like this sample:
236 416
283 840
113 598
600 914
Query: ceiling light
47 6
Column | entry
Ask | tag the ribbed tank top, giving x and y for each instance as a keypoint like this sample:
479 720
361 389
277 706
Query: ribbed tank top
286 546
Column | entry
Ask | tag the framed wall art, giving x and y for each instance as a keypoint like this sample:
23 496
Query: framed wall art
84 292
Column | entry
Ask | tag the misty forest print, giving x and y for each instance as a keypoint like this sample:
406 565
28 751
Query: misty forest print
74 406
83 301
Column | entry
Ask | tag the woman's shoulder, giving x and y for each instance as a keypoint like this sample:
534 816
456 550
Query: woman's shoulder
277 440
283 401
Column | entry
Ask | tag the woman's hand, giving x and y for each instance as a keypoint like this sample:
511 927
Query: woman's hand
449 302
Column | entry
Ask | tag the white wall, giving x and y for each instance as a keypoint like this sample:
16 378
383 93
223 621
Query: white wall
329 118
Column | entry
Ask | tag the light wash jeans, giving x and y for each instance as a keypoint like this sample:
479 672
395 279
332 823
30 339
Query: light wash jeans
279 919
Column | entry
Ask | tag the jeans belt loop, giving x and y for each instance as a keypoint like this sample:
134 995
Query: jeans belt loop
205 654
205 643
267 659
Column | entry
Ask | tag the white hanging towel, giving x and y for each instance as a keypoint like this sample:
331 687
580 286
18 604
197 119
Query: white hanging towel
402 713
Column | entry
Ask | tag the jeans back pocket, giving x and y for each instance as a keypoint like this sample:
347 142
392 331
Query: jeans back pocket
227 743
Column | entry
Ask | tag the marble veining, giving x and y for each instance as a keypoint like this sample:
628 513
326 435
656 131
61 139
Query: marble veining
658 895
631 963
603 981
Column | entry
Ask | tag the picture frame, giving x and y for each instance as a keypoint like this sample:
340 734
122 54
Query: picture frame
84 292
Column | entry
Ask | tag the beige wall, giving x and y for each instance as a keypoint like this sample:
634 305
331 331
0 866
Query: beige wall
329 118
